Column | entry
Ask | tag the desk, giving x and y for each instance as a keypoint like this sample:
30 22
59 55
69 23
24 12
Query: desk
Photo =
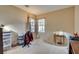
75 47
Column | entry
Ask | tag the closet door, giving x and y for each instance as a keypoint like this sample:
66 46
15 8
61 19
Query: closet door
1 42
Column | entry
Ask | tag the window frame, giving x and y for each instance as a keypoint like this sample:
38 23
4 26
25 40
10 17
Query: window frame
32 24
42 25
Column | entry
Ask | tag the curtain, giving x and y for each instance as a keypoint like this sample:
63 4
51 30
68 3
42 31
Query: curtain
28 24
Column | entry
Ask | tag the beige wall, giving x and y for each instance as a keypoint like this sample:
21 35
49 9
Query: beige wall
57 20
76 18
14 18
62 20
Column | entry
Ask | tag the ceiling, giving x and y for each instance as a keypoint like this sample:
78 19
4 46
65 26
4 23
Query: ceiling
41 9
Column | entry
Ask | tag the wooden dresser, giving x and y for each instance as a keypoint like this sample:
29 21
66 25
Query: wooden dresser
74 47
1 42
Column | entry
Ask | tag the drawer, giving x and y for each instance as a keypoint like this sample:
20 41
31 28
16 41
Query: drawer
7 48
6 42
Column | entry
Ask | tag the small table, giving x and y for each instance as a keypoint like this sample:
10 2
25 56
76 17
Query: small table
59 39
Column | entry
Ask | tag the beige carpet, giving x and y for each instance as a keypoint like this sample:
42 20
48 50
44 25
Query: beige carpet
38 47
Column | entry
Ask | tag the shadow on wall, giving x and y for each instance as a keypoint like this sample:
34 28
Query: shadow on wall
16 28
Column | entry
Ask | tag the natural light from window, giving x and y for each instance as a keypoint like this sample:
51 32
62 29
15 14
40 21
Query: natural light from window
41 25
32 24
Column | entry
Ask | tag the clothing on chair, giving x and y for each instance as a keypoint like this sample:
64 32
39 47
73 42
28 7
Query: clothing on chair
28 38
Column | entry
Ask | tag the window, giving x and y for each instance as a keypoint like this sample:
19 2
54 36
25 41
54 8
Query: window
41 25
32 25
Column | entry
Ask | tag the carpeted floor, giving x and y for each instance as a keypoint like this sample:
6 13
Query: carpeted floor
38 47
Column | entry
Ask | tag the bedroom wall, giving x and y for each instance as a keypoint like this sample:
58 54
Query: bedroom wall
61 20
13 18
77 19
